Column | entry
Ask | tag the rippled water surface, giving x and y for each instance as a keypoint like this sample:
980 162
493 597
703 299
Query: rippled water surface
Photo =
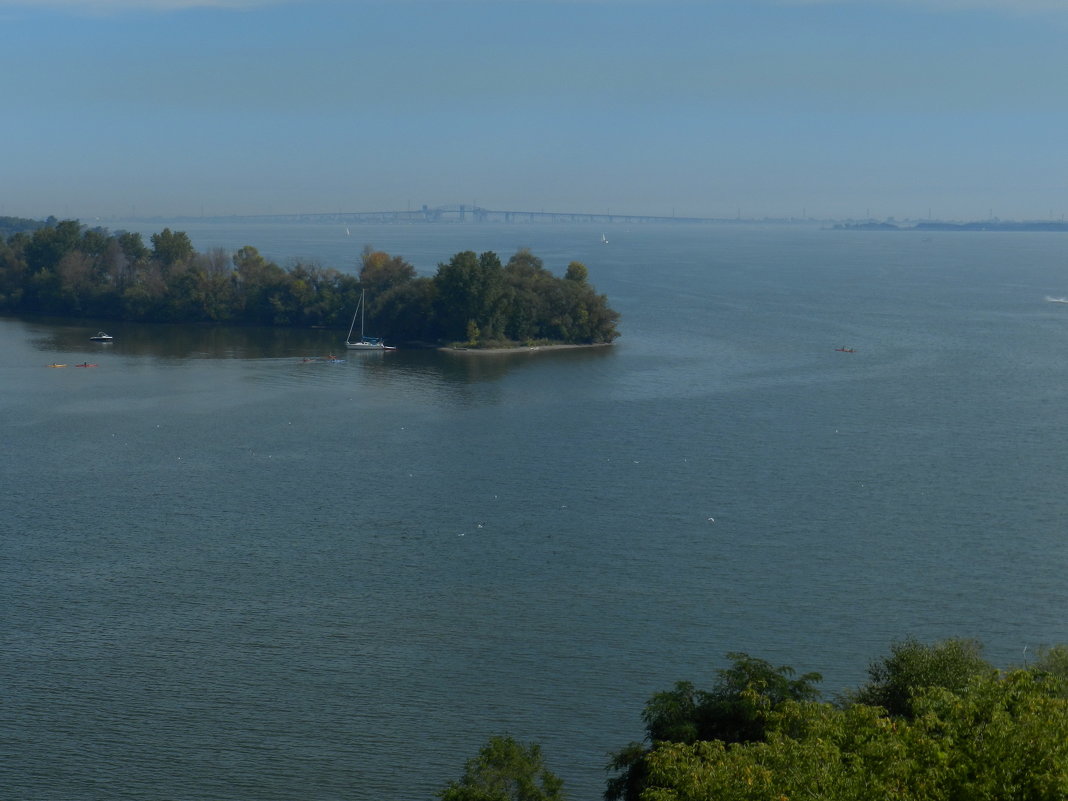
229 573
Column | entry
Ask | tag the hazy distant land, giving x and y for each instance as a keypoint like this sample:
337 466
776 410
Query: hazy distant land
979 225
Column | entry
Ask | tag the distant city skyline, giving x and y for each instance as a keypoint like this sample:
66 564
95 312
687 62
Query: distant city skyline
906 109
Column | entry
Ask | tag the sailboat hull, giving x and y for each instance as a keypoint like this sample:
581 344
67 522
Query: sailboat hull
367 346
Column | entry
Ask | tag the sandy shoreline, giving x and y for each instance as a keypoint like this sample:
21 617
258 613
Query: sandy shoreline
518 349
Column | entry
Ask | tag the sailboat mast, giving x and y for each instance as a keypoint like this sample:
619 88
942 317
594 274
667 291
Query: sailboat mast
359 308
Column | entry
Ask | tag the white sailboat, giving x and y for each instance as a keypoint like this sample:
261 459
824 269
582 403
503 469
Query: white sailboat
364 342
604 239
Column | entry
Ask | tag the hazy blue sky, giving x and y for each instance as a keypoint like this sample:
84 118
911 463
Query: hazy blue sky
954 108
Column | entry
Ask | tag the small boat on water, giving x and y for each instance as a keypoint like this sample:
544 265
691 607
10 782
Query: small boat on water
846 350
86 364
101 337
1056 300
364 342
53 364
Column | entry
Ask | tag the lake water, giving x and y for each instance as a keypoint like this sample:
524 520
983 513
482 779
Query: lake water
231 574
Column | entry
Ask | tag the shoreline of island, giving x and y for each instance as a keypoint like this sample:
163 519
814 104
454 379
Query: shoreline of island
519 348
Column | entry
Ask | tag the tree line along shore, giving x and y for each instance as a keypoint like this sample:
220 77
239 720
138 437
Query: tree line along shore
934 722
67 269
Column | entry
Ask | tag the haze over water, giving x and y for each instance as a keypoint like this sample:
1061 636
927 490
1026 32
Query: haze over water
232 574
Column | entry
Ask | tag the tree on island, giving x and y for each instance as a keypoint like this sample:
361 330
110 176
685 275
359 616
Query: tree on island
14 225
172 247
482 302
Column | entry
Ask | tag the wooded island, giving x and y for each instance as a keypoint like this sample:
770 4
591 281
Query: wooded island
66 269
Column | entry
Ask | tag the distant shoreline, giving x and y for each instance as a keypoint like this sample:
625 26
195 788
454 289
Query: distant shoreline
991 225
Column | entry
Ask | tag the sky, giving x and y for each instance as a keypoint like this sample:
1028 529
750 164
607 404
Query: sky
904 109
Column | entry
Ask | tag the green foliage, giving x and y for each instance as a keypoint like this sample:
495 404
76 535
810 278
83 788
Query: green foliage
133 247
912 666
519 302
735 710
971 733
14 225
62 268
171 247
470 291
576 271
408 310
50 244
505 770
1053 661
1001 738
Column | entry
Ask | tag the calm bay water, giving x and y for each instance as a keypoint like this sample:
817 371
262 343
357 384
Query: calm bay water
232 574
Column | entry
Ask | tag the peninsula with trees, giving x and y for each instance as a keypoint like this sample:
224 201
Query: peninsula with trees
66 269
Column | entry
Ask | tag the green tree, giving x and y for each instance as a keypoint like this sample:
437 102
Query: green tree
14 225
260 284
76 280
999 738
912 665
409 311
469 289
171 247
13 271
50 244
209 286
133 246
1053 660
505 770
577 272
528 285
94 241
735 710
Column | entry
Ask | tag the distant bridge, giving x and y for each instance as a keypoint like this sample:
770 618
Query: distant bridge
474 214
